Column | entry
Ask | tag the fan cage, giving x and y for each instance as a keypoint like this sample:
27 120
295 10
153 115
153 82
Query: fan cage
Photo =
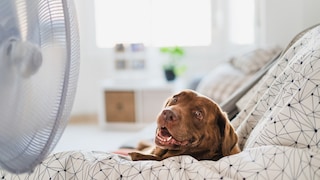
31 132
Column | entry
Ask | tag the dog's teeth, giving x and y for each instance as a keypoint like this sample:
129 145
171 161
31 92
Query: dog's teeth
167 139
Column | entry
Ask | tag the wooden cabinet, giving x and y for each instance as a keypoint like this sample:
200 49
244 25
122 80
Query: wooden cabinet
119 106
132 103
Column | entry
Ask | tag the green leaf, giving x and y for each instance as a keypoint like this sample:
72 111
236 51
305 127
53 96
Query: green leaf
175 54
180 70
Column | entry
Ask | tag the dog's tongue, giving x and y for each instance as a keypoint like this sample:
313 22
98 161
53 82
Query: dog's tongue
165 133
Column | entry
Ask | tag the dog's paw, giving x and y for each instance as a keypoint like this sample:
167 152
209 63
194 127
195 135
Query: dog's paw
136 156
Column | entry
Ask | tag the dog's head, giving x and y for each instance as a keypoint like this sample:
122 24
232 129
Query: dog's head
191 123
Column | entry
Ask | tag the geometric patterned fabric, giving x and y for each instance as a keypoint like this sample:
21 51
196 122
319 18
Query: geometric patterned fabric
286 107
253 163
279 133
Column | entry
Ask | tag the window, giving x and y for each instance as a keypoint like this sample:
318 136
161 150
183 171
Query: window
174 22
153 22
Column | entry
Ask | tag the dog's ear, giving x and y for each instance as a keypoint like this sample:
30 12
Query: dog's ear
229 144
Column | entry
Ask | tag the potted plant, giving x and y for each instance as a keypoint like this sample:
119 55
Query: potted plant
173 67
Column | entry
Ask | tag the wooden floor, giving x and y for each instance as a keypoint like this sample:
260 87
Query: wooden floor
84 119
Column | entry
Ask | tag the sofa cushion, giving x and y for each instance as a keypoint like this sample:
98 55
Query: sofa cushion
221 82
252 61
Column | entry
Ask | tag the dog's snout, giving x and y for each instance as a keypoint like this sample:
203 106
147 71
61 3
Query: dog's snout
168 115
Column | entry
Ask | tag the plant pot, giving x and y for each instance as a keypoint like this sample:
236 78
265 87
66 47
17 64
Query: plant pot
170 76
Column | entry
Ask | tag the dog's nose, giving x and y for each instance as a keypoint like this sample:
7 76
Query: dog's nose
168 115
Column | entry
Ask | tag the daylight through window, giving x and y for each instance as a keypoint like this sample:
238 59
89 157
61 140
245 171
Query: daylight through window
153 22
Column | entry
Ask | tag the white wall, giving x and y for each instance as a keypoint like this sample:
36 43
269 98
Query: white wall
280 21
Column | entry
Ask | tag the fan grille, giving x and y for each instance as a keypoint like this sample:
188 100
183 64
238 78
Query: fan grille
37 106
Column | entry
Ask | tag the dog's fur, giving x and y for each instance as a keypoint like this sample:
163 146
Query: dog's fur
191 124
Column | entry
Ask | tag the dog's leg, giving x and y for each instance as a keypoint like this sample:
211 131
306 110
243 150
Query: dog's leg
136 156
144 145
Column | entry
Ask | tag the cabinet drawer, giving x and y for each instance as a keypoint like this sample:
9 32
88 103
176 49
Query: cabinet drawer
120 106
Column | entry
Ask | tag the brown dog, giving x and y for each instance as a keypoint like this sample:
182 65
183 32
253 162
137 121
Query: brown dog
191 124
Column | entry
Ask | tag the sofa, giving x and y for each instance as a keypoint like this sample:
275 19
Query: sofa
278 124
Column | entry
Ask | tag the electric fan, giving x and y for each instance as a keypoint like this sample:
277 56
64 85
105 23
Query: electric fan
39 64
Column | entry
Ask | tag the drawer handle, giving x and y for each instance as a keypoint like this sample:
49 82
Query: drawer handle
119 106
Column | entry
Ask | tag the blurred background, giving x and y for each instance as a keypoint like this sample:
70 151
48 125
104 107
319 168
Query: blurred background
122 40
130 50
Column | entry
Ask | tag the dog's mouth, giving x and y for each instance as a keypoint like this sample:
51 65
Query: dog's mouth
164 138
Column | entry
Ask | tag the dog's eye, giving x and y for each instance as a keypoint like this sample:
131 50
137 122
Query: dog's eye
198 115
174 100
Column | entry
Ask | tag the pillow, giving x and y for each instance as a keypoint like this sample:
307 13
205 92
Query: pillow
221 82
254 60
287 113
254 107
